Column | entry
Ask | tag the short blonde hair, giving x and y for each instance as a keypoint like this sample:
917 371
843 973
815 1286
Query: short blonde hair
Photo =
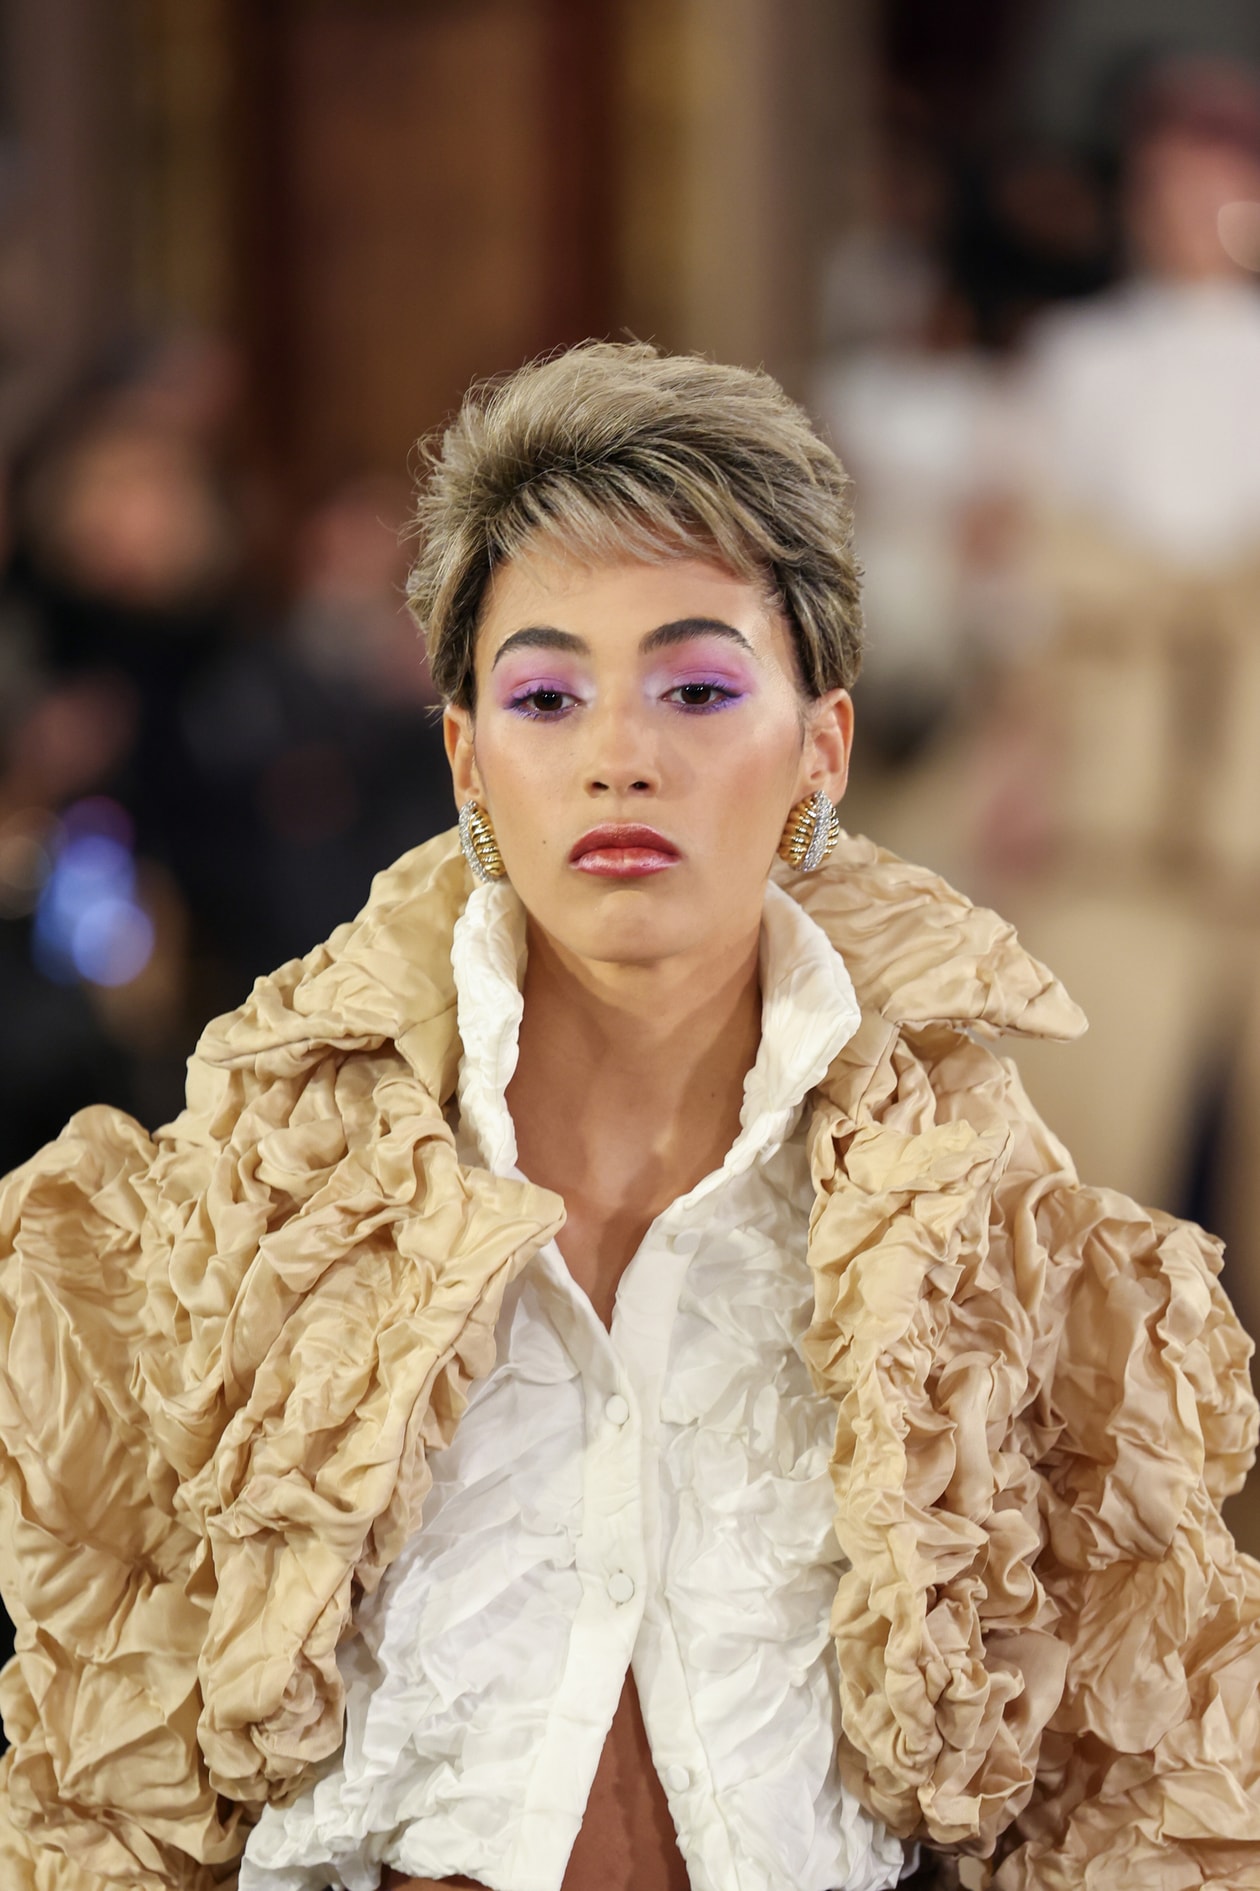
613 447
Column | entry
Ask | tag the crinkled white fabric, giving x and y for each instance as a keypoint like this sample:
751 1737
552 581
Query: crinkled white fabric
657 1494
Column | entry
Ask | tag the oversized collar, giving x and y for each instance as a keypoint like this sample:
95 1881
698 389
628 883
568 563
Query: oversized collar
918 953
809 1011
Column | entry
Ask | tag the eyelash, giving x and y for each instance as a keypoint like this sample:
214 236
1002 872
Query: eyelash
520 704
721 693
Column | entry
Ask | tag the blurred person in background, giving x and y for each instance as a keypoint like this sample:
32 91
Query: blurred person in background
55 743
321 745
125 578
902 391
1121 782
227 777
921 304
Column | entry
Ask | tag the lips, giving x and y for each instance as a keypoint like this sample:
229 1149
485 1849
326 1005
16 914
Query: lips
623 850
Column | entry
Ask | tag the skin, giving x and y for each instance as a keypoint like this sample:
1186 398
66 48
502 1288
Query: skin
1178 182
642 1003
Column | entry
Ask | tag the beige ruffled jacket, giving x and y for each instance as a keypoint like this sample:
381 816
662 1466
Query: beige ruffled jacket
230 1347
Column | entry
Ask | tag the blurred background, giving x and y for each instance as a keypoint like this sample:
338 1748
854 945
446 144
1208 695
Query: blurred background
1006 251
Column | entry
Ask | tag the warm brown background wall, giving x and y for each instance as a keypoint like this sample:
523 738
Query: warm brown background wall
378 200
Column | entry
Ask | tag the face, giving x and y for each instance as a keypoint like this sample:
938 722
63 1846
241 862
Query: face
639 739
136 520
1179 184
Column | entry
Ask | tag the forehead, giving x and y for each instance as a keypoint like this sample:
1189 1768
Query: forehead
610 600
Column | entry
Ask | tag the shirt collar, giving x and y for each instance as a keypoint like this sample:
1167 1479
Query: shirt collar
808 1014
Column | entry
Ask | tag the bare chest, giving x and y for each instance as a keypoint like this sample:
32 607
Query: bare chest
613 1190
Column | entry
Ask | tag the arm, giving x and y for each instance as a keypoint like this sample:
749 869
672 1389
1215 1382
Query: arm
1049 1648
104 1780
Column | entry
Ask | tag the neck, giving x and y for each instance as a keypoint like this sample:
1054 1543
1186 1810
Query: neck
643 1065
628 1089
678 1028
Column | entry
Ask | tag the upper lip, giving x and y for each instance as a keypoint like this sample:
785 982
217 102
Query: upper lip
622 834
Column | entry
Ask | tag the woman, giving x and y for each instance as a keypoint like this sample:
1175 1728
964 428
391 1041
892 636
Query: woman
608 1381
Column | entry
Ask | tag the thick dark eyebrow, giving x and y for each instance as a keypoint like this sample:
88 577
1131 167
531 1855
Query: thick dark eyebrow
683 628
664 637
542 637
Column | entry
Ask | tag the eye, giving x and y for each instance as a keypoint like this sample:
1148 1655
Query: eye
701 695
542 704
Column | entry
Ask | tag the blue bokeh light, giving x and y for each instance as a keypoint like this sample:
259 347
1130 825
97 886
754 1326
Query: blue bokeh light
89 923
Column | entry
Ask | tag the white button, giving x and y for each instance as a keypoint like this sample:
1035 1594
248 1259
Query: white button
677 1778
620 1587
616 1411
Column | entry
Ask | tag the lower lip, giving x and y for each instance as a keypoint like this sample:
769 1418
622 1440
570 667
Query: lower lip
624 863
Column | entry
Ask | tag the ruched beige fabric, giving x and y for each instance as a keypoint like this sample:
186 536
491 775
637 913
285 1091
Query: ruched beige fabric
230 1347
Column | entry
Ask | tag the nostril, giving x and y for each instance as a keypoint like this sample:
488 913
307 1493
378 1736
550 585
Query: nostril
639 784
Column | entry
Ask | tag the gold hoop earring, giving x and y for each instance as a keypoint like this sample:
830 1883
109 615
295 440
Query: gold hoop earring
813 828
481 849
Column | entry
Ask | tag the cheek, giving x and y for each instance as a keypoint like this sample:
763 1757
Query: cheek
744 793
524 778
764 754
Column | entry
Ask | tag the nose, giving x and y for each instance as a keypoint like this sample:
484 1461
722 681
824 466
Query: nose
610 782
621 758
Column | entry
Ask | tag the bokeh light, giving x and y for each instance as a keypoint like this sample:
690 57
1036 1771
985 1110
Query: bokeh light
89 921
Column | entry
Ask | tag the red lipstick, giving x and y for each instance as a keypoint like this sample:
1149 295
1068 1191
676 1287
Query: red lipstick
623 850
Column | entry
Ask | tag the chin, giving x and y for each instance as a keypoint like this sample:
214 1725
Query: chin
635 939
627 926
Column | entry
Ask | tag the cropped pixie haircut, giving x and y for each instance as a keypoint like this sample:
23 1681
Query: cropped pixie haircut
613 449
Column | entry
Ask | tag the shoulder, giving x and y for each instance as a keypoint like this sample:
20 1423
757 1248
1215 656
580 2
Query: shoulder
920 953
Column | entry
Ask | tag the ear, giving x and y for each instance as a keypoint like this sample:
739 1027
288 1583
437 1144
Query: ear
457 734
828 745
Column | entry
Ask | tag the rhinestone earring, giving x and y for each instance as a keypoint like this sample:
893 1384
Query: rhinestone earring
481 849
813 828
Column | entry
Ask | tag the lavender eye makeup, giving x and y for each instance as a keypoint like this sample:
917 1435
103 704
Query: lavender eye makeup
522 689
701 687
680 679
697 696
539 701
536 698
702 695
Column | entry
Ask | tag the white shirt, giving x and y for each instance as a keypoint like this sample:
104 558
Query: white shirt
1143 412
656 1495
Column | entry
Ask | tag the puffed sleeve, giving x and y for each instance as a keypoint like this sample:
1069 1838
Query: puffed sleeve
1049 1647
1149 1771
106 1587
